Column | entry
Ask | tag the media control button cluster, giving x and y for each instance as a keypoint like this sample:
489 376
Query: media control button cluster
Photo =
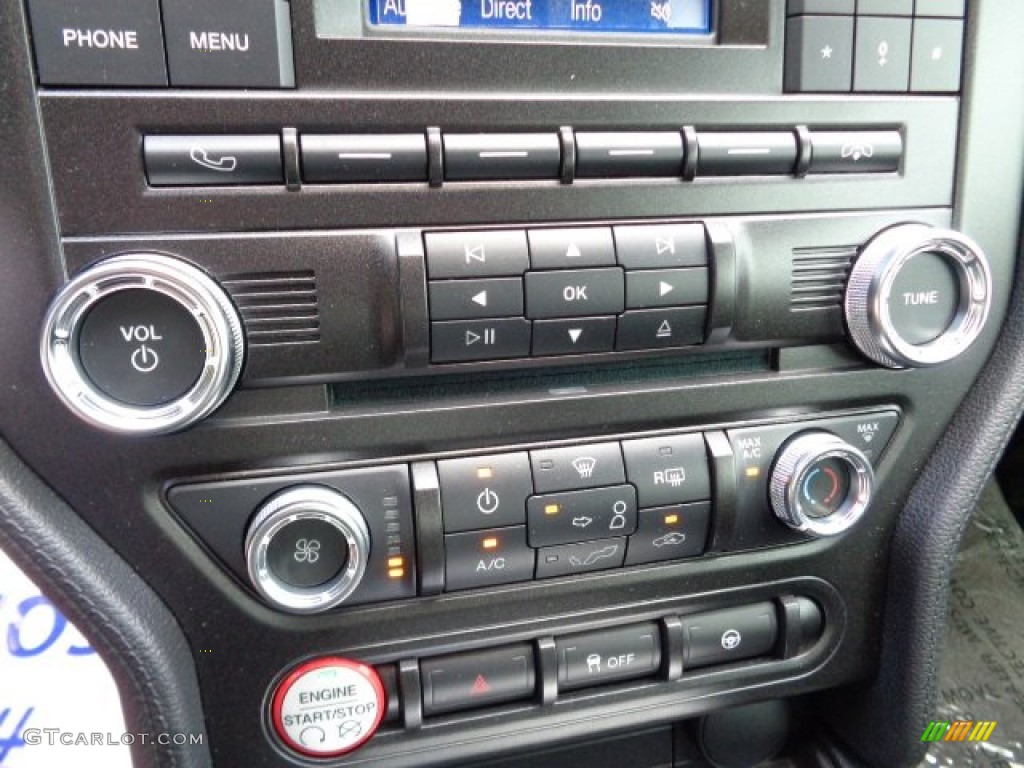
154 43
889 46
566 291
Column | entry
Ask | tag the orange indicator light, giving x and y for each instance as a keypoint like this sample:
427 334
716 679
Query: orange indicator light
753 471
671 519
552 509
396 573
491 543
484 473
396 562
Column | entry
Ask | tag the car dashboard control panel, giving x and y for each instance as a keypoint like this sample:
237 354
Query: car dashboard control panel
310 542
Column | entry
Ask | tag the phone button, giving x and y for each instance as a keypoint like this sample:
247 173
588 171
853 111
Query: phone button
855 151
202 161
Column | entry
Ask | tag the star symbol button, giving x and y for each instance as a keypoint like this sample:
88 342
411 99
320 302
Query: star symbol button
826 52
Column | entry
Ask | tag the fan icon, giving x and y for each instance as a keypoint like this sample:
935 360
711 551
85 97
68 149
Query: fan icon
307 551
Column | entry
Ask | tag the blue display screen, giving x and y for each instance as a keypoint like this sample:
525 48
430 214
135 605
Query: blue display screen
678 17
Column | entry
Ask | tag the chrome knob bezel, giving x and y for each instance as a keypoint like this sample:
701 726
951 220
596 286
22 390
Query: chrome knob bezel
790 470
866 302
195 291
307 502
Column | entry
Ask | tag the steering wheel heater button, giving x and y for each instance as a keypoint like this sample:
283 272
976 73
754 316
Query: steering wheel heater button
141 348
328 707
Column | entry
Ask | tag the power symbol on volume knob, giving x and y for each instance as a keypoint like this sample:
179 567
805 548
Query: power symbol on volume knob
145 360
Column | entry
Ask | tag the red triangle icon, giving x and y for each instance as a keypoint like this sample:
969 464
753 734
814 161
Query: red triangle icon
481 685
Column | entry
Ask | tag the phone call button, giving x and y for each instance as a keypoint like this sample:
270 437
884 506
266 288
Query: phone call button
202 161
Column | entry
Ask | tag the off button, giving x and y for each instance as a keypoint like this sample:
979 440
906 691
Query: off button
141 348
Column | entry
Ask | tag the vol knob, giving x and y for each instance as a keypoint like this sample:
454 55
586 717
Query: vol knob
820 484
142 344
917 296
307 548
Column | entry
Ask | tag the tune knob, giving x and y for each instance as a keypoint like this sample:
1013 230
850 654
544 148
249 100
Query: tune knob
917 296
142 344
307 548
820 484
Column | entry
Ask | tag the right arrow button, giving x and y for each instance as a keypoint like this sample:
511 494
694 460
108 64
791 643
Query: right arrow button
651 288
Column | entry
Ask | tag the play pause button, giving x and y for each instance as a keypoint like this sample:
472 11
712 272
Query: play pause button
573 337
469 340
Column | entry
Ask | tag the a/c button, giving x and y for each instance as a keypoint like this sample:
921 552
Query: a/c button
487 558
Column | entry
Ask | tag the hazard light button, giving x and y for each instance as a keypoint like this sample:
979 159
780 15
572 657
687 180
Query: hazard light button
470 680
328 707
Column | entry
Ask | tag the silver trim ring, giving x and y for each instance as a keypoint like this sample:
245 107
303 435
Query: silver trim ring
868 315
791 468
307 502
208 304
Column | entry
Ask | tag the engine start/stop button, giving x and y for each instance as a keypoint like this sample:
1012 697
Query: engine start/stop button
328 707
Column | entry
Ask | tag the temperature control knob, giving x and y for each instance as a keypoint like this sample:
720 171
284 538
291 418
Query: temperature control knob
820 484
307 548
142 344
917 296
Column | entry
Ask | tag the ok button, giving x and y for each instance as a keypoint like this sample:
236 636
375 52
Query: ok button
575 293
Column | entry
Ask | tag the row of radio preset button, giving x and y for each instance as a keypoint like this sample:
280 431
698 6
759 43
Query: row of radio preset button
225 159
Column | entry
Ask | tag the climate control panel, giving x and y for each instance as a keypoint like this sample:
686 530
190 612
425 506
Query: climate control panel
313 541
